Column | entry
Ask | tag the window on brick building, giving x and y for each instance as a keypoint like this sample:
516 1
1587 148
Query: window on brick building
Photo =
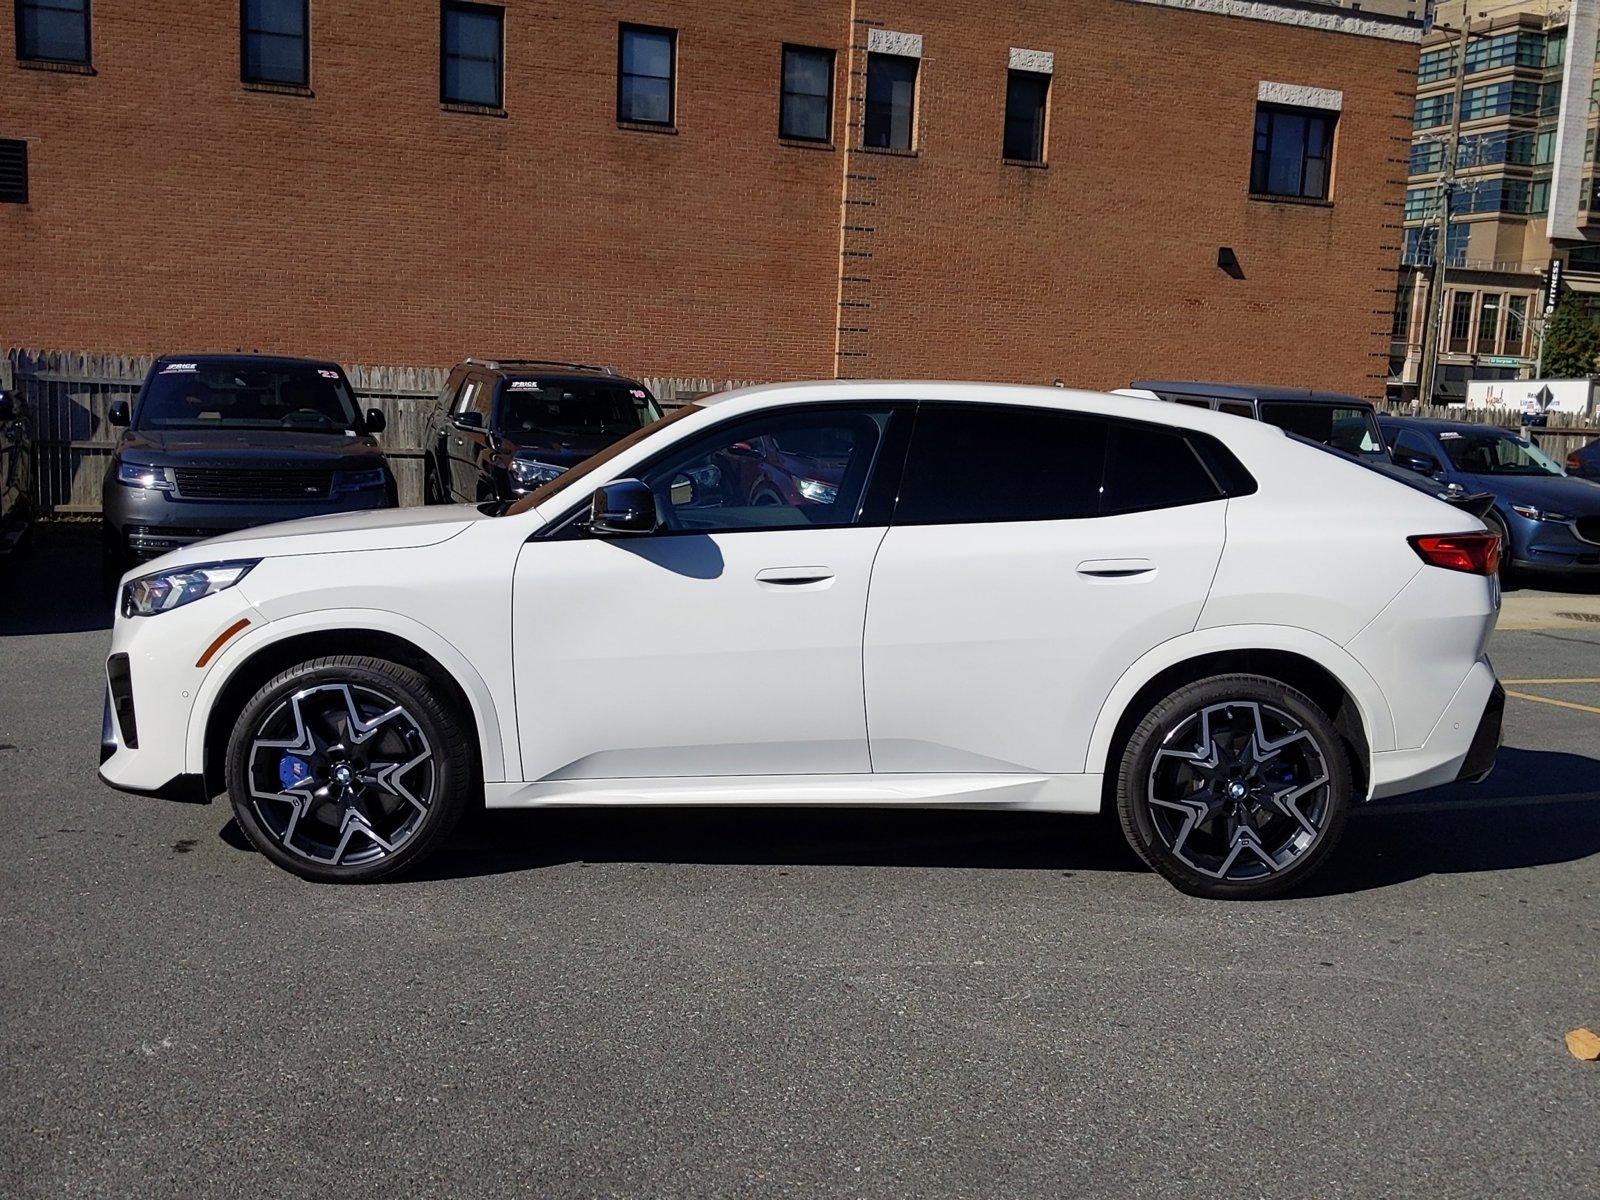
1293 152
647 62
1026 95
13 171
53 30
891 101
805 109
1460 328
471 54
275 41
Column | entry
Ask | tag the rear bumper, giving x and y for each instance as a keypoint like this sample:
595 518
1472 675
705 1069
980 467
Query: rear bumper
1462 745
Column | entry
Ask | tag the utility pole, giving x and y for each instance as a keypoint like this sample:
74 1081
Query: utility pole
1434 315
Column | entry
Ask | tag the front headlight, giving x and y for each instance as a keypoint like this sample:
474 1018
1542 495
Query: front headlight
152 594
529 472
818 492
158 479
1534 513
357 481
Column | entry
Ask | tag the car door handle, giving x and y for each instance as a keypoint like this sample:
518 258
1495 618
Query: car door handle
795 577
1116 568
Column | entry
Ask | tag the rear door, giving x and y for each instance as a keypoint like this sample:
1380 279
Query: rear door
1033 556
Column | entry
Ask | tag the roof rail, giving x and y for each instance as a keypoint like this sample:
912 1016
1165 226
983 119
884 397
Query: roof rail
494 364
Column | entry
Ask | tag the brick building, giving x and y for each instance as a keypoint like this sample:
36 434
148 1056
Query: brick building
1085 189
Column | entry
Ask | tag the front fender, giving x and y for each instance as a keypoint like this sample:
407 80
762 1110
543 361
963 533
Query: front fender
1377 721
485 712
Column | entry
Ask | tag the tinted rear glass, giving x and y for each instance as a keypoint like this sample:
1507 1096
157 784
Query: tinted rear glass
190 395
1147 467
574 407
1353 430
992 463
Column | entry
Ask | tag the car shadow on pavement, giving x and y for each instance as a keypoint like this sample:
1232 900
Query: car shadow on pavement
1539 808
52 584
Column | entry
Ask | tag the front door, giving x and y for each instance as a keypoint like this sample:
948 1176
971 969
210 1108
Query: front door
467 441
729 642
1035 554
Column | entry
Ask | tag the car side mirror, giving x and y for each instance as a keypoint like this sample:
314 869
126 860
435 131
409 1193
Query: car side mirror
622 508
8 406
118 413
1422 466
471 419
376 421
743 450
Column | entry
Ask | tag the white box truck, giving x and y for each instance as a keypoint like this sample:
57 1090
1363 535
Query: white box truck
1533 397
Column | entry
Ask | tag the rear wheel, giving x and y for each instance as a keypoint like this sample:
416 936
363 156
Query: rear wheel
1235 787
348 769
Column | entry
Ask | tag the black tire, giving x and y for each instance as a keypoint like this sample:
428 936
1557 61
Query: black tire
431 491
1160 830
426 721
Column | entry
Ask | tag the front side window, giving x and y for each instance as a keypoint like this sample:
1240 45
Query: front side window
1293 152
806 104
891 101
781 470
1026 96
646 63
471 54
199 395
275 41
1353 430
1492 452
1408 444
53 30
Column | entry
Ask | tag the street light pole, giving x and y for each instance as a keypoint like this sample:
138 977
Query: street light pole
1431 319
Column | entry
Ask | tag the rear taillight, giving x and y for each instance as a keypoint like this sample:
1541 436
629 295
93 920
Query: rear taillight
1475 553
1572 462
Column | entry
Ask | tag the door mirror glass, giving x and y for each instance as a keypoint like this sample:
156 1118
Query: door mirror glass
623 507
471 419
118 414
1422 466
376 421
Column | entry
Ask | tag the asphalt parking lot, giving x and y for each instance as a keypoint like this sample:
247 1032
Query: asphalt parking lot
820 1003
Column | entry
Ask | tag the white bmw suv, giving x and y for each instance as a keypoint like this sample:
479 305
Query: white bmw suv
909 594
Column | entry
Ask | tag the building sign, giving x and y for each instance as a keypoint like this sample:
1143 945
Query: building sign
1497 360
1552 286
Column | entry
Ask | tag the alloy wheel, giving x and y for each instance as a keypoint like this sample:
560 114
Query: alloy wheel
340 774
1239 790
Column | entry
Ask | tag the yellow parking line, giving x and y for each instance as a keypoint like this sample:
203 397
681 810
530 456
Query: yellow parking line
1529 681
1588 708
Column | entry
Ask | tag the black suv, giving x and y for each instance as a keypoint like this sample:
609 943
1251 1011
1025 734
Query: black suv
218 442
503 427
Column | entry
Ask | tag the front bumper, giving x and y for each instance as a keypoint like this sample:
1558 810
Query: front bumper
1461 746
145 524
153 675
1554 547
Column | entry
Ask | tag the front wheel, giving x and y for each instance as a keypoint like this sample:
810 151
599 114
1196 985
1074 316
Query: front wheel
1235 787
348 769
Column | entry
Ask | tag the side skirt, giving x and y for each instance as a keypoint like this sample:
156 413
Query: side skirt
1035 793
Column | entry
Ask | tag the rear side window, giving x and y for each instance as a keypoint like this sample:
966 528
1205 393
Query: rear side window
1149 467
993 463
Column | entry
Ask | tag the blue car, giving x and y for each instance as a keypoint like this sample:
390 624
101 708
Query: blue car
1548 521
1584 462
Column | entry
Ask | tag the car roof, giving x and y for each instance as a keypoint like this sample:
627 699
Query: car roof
264 360
1243 391
1156 412
536 367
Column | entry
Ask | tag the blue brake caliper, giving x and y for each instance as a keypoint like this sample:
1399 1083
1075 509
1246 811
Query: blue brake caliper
292 771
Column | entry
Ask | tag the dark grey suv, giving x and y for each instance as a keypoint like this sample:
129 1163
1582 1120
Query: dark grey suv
221 442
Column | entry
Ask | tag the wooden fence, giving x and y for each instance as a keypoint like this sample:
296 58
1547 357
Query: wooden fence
68 395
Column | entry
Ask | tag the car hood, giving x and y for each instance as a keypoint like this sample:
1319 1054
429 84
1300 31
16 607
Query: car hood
1568 494
561 450
333 533
247 448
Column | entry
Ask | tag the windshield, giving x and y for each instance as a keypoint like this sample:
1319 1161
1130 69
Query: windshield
1351 429
573 408
186 395
569 477
1494 452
